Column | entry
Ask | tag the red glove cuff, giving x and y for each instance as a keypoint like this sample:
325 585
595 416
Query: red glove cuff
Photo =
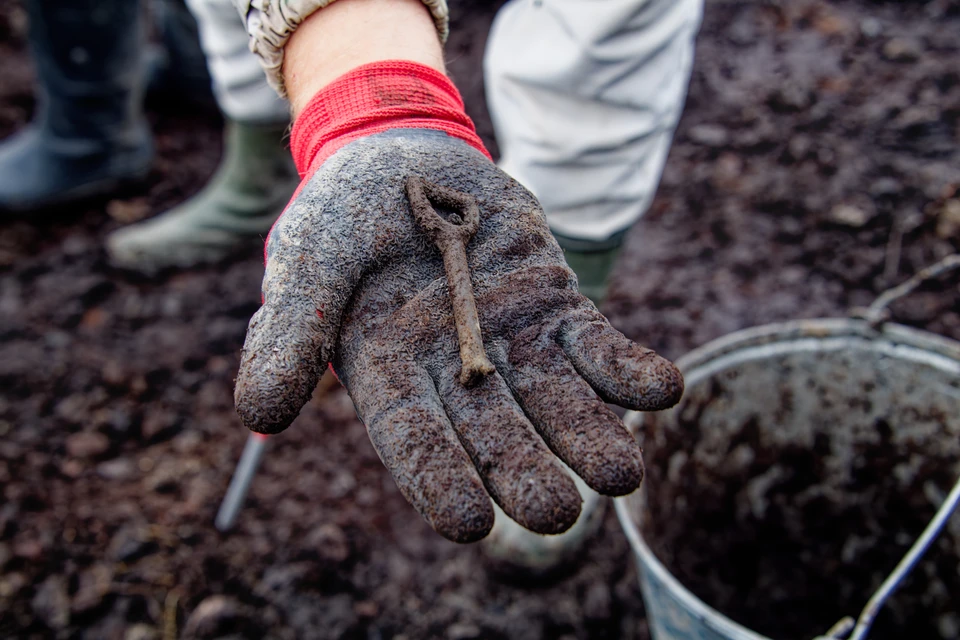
374 98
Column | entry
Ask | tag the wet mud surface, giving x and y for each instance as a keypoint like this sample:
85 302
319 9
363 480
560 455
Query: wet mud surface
815 166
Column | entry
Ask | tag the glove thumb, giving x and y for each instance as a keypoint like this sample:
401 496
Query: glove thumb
291 339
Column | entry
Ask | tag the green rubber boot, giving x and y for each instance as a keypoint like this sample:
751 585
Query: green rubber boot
235 210
88 137
592 262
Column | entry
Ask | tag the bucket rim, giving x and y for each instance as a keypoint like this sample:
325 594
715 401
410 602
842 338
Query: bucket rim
817 328
942 349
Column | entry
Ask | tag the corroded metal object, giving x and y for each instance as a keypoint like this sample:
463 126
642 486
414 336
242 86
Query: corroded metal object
451 236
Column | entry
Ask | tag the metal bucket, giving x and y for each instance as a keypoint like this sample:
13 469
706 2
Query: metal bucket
822 386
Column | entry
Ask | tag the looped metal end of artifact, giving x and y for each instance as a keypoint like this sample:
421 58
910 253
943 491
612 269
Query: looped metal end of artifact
451 236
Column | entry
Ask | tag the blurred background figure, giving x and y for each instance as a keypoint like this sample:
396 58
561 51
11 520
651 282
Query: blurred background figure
89 137
584 99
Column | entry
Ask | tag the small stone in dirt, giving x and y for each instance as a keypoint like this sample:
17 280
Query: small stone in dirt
885 187
948 221
902 50
129 543
11 584
366 609
282 578
51 603
94 319
158 423
28 549
165 478
848 216
116 469
918 116
329 542
214 617
709 135
87 444
791 97
127 211
76 245
141 632
72 468
188 442
949 625
742 32
114 374
73 409
596 602
94 584
463 631
799 146
57 340
871 27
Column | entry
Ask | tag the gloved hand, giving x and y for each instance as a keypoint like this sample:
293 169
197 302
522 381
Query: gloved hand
351 278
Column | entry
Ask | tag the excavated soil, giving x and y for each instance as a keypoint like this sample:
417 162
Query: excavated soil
816 165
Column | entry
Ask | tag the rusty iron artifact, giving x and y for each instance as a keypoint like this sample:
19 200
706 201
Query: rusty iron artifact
451 236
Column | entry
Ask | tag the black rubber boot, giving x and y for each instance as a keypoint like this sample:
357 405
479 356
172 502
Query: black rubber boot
88 137
176 67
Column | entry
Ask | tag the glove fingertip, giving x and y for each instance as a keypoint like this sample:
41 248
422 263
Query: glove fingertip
661 382
468 521
280 367
557 508
621 371
270 408
621 476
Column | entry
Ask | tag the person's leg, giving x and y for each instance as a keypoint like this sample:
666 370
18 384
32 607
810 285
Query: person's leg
88 136
176 65
584 98
256 176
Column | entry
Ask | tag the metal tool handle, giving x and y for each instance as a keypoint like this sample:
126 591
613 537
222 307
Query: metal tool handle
240 483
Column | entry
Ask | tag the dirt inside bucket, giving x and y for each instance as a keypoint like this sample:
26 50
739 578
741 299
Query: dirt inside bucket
783 491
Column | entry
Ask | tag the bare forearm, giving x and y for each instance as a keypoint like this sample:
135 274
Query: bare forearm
351 33
365 31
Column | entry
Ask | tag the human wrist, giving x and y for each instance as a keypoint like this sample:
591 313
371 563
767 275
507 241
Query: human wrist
351 33
390 94
271 23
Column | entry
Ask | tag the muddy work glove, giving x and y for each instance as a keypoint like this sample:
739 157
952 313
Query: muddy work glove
361 271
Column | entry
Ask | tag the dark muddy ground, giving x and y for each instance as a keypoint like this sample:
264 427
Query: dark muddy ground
815 166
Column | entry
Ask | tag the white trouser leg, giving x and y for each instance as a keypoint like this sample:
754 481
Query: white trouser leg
238 80
585 97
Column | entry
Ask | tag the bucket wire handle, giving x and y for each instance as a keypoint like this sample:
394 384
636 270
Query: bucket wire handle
877 312
906 564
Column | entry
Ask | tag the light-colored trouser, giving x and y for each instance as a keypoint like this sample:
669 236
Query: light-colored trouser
238 80
585 97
